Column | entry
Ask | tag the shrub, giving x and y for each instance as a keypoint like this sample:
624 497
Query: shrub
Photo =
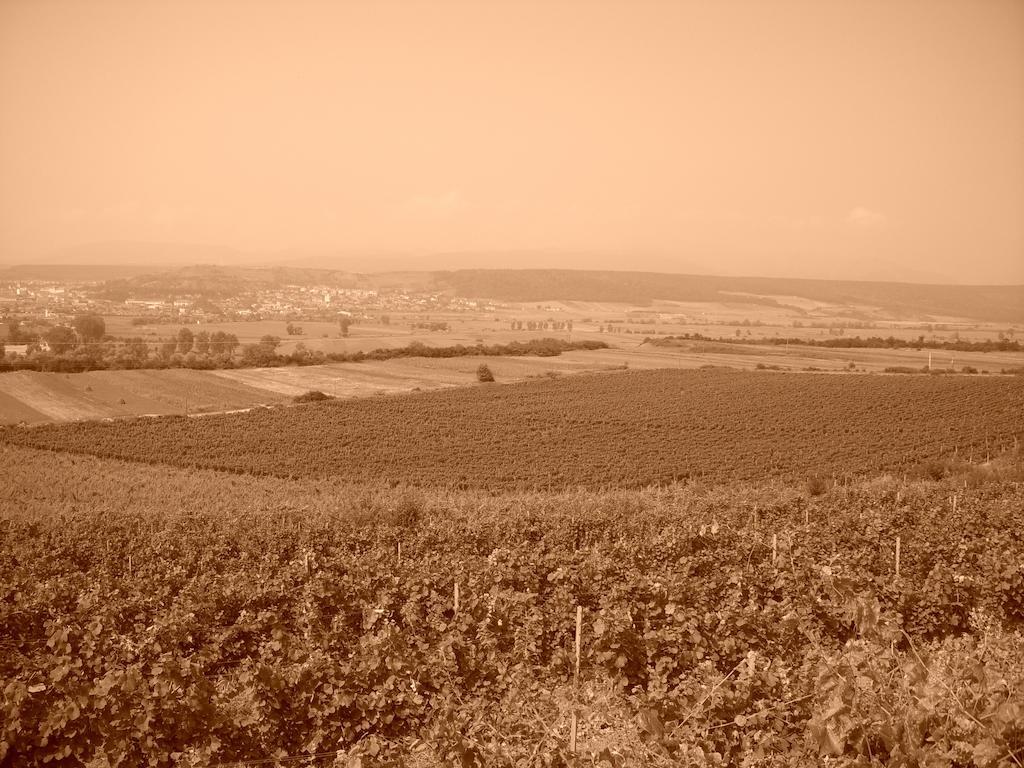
934 469
314 395
816 485
483 373
407 511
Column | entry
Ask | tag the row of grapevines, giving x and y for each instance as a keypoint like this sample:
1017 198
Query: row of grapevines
194 626
629 429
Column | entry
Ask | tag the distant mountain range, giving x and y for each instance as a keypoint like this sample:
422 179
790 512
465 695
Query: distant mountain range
132 254
1002 303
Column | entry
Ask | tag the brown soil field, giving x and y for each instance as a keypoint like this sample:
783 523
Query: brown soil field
405 375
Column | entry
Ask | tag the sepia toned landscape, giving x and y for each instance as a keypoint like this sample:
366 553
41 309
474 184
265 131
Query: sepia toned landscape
577 383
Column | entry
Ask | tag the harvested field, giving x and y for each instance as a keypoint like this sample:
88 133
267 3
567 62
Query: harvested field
31 397
37 397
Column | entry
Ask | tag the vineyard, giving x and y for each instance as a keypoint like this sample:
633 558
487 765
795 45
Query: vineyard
155 616
615 430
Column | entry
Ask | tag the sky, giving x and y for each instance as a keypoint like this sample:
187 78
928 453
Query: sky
820 138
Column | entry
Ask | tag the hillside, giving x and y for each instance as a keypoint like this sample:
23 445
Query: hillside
214 281
989 303
76 273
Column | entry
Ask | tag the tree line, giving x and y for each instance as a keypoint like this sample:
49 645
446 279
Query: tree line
84 346
856 342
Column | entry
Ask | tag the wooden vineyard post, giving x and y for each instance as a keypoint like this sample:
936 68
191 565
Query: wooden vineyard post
575 680
456 606
897 557
775 549
307 563
954 503
399 554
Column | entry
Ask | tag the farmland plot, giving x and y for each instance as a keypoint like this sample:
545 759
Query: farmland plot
620 429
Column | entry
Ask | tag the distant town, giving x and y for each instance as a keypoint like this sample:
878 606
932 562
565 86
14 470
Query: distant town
57 301
46 315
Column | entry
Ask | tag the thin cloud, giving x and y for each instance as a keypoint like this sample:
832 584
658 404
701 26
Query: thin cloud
798 223
441 206
865 218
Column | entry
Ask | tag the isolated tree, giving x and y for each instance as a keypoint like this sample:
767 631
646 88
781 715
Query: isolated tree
185 341
137 348
91 327
343 324
221 342
261 354
483 374
61 339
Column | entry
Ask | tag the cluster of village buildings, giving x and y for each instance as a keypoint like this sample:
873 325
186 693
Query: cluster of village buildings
47 303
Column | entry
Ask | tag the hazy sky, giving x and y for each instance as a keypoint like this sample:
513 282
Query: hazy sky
859 138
